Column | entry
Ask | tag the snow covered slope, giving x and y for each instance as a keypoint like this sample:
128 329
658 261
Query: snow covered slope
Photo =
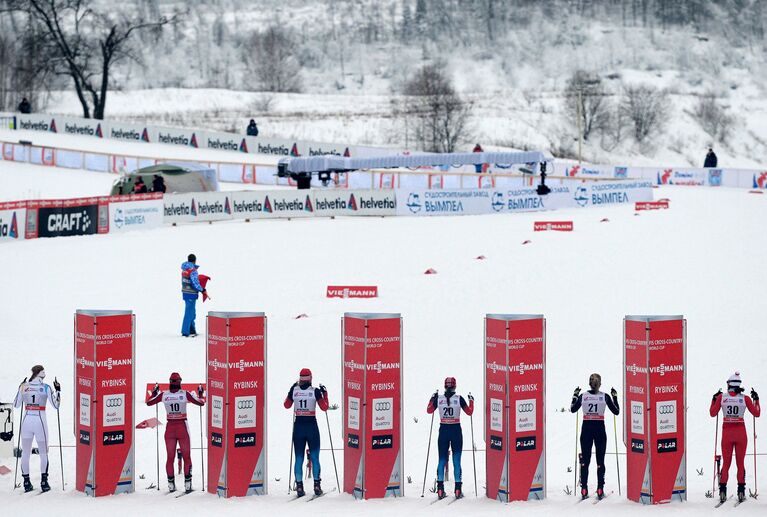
703 258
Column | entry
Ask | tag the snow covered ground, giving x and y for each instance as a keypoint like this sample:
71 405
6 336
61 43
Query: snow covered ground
703 258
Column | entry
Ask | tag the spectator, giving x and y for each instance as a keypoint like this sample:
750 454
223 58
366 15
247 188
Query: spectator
711 160
190 289
252 129
158 184
139 187
479 167
25 106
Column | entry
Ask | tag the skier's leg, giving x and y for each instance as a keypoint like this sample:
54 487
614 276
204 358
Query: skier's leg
727 445
186 449
600 440
192 327
27 435
41 437
188 317
314 450
586 444
170 448
299 448
740 443
456 445
443 445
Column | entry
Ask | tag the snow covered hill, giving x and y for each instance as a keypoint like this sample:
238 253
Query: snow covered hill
702 258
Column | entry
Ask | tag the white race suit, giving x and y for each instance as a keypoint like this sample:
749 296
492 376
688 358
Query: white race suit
35 395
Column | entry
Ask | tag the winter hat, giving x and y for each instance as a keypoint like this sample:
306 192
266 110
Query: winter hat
36 371
192 258
734 380
305 375
450 383
175 378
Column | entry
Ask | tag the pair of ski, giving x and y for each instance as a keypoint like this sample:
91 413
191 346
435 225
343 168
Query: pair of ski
313 497
596 498
737 503
439 499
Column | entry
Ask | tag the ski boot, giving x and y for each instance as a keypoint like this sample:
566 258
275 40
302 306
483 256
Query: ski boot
171 484
27 483
584 492
44 486
741 492
600 493
317 487
188 483
458 489
722 492
300 489
441 490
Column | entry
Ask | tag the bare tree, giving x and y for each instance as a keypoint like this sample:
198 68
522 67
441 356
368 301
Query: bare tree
86 43
439 113
647 109
271 57
713 117
585 102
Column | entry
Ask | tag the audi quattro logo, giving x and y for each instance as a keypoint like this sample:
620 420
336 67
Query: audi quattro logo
382 406
218 403
666 409
245 404
636 410
496 407
113 402
526 408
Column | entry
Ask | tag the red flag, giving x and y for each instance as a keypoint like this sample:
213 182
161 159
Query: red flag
203 282
4 470
149 423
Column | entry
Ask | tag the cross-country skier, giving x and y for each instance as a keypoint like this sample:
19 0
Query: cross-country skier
177 430
190 289
449 406
593 432
35 394
304 398
733 405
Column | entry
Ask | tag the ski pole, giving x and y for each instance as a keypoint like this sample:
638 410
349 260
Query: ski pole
290 464
473 452
58 424
756 487
428 449
332 452
716 439
617 461
575 468
157 442
202 453
17 452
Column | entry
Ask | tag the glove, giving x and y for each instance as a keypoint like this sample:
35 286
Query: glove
754 395
470 397
435 396
576 392
155 390
613 393
200 391
717 394
323 389
57 386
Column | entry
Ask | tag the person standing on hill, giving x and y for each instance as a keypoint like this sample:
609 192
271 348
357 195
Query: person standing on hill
593 432
733 406
190 291
711 160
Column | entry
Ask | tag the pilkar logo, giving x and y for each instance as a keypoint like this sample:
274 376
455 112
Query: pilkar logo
581 196
353 441
665 178
496 443
245 440
497 202
10 231
113 438
761 180
414 202
382 441
216 440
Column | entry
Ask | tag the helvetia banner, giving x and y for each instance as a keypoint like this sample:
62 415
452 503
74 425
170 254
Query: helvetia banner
237 410
515 423
12 221
663 339
375 410
104 406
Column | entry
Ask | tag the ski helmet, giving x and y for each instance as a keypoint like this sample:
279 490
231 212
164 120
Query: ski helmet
595 381
734 380
38 371
450 383
175 380
305 375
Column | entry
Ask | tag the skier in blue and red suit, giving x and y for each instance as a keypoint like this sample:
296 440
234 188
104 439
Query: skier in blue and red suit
190 291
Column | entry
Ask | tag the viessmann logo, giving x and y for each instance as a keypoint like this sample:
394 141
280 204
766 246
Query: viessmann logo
495 367
521 368
110 363
353 365
240 365
83 362
633 369
379 366
663 369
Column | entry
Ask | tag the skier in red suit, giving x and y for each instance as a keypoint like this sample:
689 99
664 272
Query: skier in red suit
177 430
733 405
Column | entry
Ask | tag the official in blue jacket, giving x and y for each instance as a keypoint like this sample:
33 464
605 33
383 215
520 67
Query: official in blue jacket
190 291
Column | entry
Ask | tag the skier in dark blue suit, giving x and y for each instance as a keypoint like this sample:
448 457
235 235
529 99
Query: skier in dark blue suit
190 291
